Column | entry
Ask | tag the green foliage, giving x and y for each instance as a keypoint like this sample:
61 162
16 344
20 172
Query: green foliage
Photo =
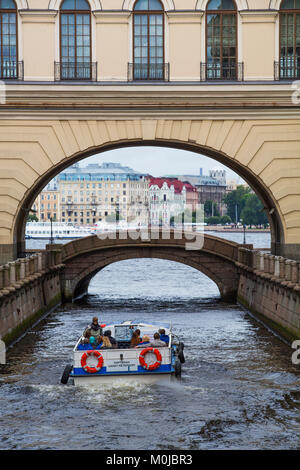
250 210
210 208
215 220
253 212
235 202
32 218
225 219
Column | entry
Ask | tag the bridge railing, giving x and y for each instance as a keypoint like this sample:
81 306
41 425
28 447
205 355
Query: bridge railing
268 266
15 273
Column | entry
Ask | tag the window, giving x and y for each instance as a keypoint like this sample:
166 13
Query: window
221 40
8 39
289 39
75 40
148 40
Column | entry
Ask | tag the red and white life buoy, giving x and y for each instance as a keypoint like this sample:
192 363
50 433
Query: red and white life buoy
92 370
150 366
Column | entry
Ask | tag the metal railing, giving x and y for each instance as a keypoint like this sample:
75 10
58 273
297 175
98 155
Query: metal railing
218 72
286 71
12 70
75 71
148 72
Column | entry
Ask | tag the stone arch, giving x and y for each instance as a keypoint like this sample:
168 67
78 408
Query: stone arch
84 258
263 152
241 4
55 4
21 4
168 4
259 187
275 4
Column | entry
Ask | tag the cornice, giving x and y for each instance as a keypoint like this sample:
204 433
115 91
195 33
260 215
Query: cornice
112 102
259 13
51 13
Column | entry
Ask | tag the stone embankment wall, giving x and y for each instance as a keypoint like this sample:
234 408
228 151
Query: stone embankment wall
269 287
29 288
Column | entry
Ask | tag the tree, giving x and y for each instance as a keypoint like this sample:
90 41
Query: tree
211 209
253 212
235 202
225 219
213 220
32 218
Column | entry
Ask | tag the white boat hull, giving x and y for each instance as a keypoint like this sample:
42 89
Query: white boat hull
121 379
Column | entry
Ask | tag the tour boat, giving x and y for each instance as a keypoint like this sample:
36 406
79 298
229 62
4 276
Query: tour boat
144 364
59 230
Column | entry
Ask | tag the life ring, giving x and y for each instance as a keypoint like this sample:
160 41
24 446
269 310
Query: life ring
92 370
150 366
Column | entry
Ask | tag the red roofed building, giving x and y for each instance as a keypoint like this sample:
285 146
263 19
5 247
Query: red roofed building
169 197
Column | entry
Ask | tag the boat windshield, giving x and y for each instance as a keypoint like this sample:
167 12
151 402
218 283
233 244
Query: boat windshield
124 332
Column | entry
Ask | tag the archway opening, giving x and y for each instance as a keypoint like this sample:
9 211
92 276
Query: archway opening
182 151
150 284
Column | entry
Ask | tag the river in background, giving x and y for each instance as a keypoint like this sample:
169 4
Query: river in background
258 239
239 389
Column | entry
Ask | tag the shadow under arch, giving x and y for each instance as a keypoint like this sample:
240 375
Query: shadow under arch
254 181
83 285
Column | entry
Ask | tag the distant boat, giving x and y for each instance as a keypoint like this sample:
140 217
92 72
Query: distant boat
42 230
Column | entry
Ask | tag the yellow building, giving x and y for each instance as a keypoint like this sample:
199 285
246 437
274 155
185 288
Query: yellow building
165 40
47 204
216 77
90 194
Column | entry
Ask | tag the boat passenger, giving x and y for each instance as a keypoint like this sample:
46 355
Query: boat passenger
106 344
135 339
86 337
111 339
144 343
157 343
94 328
91 344
163 336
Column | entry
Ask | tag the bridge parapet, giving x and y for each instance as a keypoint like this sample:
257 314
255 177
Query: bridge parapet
275 268
17 273
269 287
29 288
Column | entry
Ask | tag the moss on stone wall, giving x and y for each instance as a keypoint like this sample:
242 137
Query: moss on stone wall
286 333
19 330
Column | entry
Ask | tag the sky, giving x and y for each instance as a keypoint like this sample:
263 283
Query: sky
161 161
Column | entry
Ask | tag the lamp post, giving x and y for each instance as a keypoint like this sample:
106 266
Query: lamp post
51 232
244 234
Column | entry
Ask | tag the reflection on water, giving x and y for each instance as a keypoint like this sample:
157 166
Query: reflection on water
239 389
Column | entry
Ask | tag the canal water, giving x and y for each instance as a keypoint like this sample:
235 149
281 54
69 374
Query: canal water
239 389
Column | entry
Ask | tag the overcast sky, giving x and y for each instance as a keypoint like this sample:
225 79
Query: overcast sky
160 161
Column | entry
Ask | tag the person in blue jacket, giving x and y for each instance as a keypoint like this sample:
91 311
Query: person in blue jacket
92 344
163 336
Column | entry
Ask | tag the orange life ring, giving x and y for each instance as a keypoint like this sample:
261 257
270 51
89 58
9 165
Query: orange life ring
92 370
151 366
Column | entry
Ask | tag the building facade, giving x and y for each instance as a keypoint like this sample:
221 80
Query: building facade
212 76
48 203
210 188
165 40
169 198
92 193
